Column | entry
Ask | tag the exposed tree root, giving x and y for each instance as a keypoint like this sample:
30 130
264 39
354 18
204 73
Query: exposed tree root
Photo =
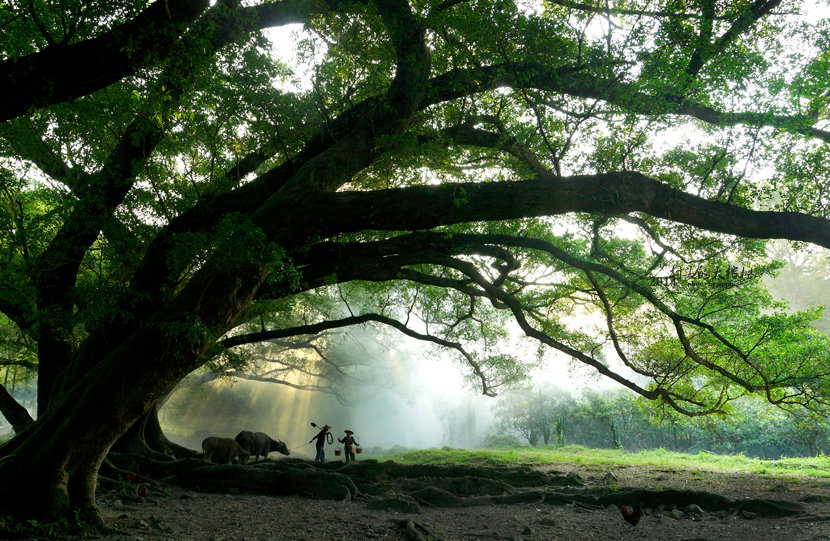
368 471
597 499
466 485
681 498
110 470
434 485
310 482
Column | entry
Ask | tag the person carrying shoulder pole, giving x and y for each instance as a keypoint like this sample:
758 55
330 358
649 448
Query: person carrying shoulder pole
321 441
348 442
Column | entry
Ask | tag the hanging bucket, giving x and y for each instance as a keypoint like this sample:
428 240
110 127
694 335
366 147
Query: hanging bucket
358 450
337 452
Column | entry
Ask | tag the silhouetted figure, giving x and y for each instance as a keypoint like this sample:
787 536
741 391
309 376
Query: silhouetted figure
348 445
321 441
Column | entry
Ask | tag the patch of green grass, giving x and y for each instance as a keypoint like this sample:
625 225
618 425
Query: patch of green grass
612 458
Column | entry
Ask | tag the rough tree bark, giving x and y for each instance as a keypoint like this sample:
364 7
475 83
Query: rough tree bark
146 436
63 71
13 411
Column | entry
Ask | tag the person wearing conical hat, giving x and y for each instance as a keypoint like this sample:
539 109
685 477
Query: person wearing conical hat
348 442
321 441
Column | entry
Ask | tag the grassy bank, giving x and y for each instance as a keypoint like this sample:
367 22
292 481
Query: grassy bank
608 458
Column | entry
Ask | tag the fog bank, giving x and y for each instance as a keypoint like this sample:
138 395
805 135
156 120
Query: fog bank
407 398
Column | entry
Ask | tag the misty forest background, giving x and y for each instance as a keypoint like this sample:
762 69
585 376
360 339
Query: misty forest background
399 393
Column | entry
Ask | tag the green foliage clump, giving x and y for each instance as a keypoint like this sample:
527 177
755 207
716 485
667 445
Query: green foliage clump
620 420
500 440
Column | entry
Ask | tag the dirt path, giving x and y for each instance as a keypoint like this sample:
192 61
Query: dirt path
175 514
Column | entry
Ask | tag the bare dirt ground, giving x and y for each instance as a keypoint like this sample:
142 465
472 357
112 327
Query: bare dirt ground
169 513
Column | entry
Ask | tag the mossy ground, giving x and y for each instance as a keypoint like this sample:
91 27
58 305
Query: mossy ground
611 458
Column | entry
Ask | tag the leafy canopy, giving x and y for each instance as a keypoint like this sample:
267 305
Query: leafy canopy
602 177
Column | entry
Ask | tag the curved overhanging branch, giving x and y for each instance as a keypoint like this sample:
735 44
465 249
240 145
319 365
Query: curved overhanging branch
62 72
19 362
211 376
583 81
570 79
245 199
516 308
316 328
612 10
676 318
437 246
474 244
438 249
606 193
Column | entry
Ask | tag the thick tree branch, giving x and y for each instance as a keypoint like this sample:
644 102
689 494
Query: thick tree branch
437 249
29 145
703 51
574 80
15 413
582 81
744 21
210 376
64 72
610 193
357 320
58 265
18 362
607 10
327 160
337 164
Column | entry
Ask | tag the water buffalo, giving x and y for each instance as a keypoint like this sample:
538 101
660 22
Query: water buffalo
259 443
223 450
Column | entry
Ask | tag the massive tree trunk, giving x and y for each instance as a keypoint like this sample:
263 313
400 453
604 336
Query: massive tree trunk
51 468
146 436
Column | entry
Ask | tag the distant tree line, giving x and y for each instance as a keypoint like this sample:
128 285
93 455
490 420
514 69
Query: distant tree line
618 419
